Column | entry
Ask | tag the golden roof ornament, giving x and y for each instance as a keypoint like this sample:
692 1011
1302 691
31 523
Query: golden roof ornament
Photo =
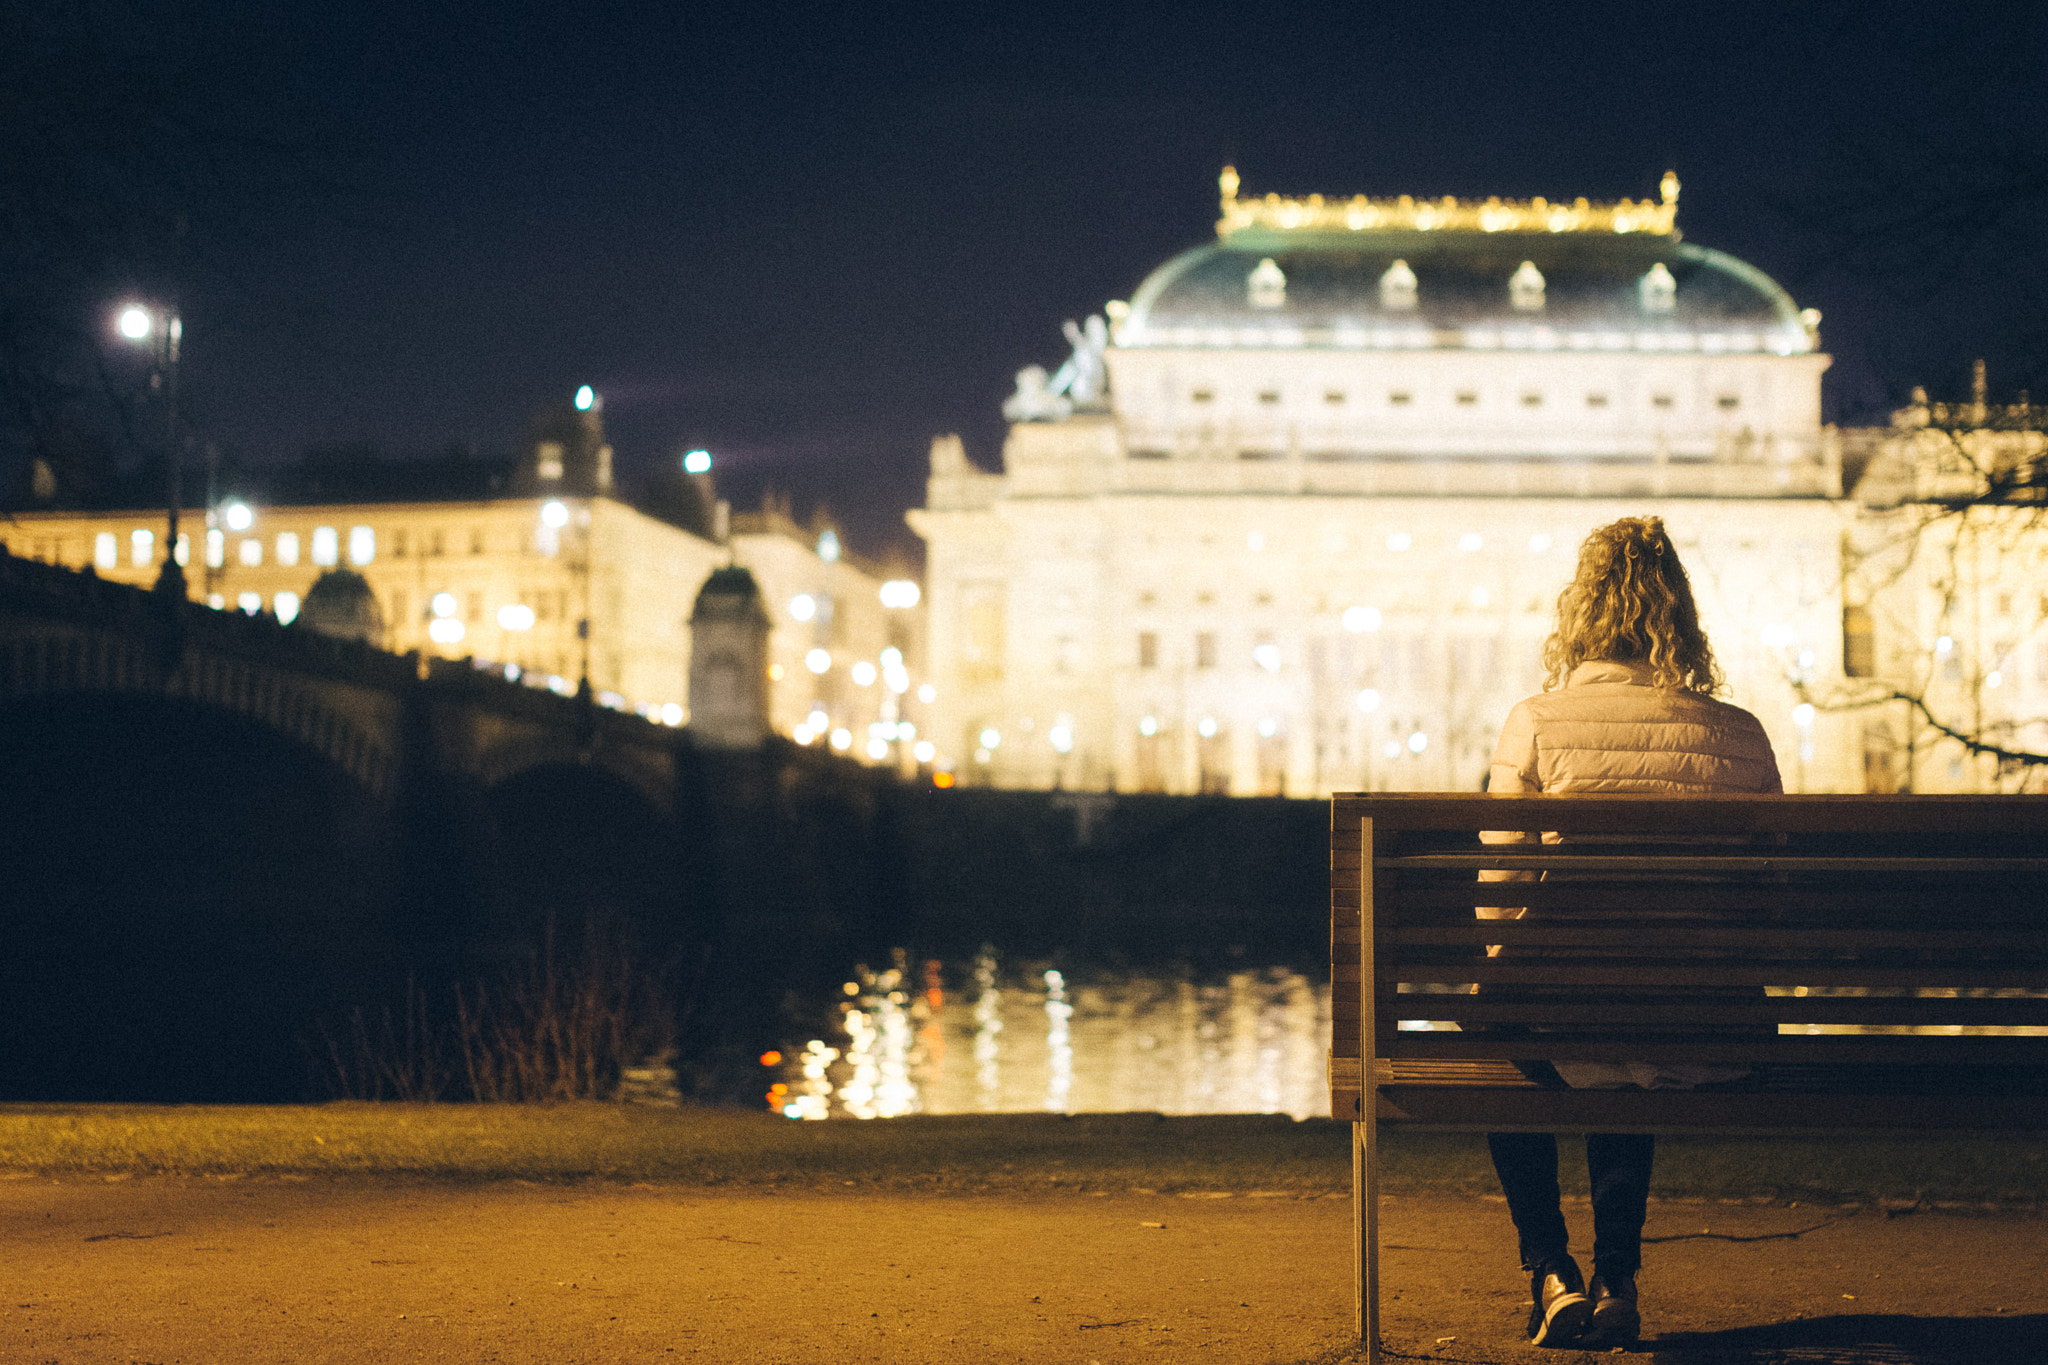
1360 213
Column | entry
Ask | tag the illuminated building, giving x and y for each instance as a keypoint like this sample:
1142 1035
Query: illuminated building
504 566
1295 517
1946 596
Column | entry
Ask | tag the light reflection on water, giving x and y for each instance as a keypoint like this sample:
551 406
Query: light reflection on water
1010 1037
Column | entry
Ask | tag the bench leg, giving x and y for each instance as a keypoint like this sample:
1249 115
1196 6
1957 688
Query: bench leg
1365 1226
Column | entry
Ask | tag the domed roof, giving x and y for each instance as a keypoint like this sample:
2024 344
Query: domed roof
729 593
1379 275
340 604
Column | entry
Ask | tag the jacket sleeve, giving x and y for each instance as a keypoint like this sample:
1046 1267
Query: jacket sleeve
1514 757
1514 770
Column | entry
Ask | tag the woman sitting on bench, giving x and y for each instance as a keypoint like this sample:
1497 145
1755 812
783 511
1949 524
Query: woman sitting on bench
1627 707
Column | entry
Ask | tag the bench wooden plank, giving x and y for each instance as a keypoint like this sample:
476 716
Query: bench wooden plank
1621 1111
1706 864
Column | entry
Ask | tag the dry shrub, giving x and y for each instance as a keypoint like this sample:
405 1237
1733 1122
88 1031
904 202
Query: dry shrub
553 1031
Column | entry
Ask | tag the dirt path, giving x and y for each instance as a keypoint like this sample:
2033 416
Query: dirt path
168 1270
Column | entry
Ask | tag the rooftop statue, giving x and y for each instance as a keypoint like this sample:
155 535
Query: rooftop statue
1035 400
1080 384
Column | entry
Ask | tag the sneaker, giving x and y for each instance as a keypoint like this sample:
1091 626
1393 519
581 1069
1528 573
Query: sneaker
1559 1310
1615 1319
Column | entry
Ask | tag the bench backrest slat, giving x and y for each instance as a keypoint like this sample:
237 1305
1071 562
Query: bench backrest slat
1840 931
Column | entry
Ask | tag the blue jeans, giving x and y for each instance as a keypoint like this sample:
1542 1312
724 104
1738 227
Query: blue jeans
1618 1166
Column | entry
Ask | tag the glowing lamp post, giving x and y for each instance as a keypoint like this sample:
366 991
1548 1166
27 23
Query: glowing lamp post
161 329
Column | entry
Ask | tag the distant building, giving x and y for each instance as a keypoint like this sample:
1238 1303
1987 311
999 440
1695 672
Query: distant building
541 570
1295 517
1945 595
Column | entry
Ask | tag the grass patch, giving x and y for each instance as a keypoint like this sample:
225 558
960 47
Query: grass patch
999 1152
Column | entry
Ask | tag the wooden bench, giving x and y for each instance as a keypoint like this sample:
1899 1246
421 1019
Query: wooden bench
1879 962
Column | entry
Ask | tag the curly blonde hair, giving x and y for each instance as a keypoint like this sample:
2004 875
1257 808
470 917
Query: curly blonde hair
1631 602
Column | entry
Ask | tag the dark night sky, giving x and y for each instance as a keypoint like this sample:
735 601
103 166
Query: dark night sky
812 239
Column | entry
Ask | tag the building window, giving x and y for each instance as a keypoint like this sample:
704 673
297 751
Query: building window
1468 398
1532 399
1400 398
1397 288
1859 643
1525 288
106 550
1266 285
1661 400
1657 290
1148 649
435 545
251 553
398 545
326 547
1596 400
1203 396
1334 397
362 545
141 547
1728 402
476 540
1205 649
1269 397
288 548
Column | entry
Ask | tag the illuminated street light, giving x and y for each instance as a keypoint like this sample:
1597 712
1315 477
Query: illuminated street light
554 515
586 399
515 616
140 323
802 607
697 462
1369 700
444 604
863 674
238 516
900 594
818 660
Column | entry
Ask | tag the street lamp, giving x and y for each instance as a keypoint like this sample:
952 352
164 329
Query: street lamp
162 329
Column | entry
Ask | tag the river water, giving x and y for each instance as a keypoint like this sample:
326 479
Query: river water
989 1036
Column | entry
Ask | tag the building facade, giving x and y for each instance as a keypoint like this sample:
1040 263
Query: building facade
1945 599
558 581
1294 518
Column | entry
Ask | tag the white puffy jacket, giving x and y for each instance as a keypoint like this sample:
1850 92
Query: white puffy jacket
1611 729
